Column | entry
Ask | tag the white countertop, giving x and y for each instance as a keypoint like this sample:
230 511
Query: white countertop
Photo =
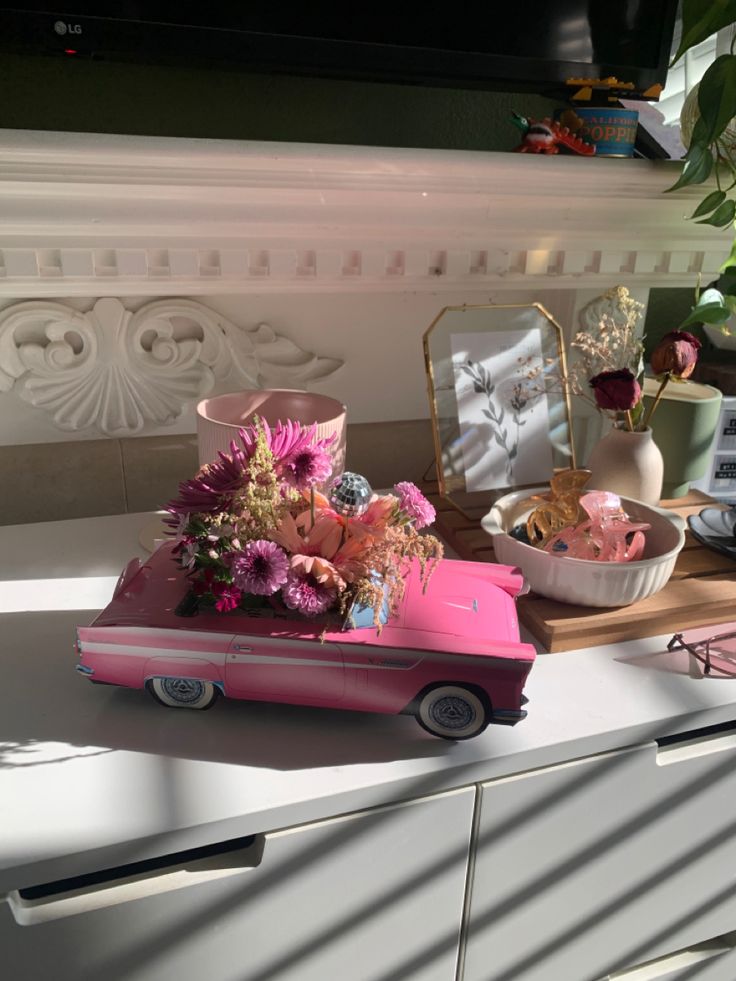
90 769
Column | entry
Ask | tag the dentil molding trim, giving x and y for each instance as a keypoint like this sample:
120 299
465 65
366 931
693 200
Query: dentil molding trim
117 371
87 214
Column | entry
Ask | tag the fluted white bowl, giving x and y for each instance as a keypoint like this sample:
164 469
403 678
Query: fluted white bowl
581 581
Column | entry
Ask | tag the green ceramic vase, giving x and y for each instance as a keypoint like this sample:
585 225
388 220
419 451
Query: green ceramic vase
684 424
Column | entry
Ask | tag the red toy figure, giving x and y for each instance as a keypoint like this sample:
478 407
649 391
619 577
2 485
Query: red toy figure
548 136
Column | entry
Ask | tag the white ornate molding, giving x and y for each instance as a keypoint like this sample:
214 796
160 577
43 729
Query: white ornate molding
87 214
117 371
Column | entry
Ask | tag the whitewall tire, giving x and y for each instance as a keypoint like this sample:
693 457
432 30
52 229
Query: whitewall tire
452 712
183 692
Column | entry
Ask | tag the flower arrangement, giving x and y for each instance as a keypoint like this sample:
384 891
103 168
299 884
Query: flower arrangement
252 529
611 363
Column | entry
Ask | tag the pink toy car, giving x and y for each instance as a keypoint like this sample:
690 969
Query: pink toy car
451 656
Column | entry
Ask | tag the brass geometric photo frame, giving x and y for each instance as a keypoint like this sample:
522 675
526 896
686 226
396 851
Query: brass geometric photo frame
501 416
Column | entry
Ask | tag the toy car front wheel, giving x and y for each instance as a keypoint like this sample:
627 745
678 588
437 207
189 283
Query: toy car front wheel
183 692
452 712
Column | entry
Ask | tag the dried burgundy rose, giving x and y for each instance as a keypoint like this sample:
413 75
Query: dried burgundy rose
676 354
617 390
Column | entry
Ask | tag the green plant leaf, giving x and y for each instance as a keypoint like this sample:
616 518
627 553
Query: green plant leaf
730 302
709 203
722 216
700 19
711 308
727 280
713 313
717 97
710 295
728 265
698 134
698 167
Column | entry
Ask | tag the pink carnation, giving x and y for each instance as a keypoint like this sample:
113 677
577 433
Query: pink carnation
261 568
227 596
307 596
414 504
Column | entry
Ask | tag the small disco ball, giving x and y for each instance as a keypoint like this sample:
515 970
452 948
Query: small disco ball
349 494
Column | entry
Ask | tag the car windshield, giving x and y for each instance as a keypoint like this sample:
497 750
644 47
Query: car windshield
362 617
359 618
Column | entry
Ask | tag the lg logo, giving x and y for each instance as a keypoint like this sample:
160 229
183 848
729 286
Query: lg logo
61 28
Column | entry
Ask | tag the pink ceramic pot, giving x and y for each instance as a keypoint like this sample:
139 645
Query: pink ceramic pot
220 418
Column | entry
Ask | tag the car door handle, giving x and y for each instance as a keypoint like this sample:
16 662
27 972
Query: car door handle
242 647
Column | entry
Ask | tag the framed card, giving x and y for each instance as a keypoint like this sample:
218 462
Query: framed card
501 419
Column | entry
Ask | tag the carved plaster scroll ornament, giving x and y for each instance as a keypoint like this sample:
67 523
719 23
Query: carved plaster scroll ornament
615 304
117 371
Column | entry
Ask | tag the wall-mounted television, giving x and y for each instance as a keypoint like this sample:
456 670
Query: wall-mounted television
531 45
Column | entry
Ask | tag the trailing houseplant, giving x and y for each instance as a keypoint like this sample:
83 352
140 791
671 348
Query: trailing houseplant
710 154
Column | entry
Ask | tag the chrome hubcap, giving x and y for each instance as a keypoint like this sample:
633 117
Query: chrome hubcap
182 689
452 712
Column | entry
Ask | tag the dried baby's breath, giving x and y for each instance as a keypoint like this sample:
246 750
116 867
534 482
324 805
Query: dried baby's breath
613 345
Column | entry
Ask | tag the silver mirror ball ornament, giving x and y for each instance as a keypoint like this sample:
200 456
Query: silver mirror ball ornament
349 494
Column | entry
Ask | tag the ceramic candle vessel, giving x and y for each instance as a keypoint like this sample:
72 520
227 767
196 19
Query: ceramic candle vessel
220 418
683 426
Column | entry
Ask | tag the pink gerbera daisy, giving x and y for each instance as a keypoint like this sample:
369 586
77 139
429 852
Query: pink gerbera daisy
307 596
261 568
414 504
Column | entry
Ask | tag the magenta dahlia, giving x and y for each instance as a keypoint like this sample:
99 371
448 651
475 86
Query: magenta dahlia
414 504
308 466
286 441
260 568
280 440
306 595
211 490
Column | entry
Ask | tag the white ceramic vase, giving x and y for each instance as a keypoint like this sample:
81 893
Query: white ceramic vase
628 464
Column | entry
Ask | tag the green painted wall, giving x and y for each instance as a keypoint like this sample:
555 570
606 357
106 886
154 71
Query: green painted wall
51 93
666 311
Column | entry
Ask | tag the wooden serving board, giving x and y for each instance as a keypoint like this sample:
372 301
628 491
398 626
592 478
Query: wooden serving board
702 589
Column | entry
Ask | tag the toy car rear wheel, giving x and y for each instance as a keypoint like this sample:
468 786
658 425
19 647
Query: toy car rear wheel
183 692
452 712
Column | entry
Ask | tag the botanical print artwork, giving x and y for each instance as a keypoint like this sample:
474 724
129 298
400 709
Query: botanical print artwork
504 423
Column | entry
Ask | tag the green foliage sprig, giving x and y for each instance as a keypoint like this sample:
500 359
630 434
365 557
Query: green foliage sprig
709 155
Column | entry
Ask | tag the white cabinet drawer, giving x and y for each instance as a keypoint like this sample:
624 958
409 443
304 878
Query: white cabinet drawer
713 960
361 898
590 867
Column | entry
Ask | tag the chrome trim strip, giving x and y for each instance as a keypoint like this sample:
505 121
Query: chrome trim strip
83 669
